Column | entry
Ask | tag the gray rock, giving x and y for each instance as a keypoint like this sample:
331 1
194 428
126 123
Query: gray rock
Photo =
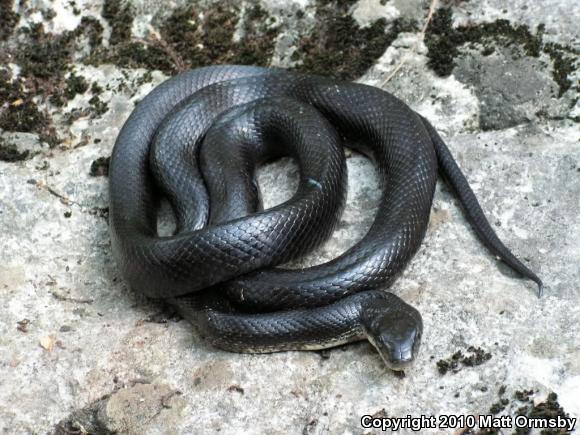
511 90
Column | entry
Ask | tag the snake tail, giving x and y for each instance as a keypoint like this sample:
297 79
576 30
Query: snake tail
474 213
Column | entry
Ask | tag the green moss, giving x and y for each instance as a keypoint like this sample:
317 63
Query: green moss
44 56
140 55
49 137
340 46
75 85
342 5
92 29
9 89
476 356
145 78
45 60
496 408
96 89
211 41
443 43
563 66
23 116
9 152
548 409
48 57
193 36
440 41
20 113
257 46
444 366
523 395
214 37
98 106
120 16
199 40
100 167
443 40
8 19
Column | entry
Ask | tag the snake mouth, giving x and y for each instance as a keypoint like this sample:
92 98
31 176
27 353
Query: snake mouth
399 361
396 356
395 332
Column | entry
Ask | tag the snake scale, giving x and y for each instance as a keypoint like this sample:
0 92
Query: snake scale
197 140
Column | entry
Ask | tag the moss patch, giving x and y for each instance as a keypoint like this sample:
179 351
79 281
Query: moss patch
522 403
18 111
23 116
444 43
475 356
138 55
10 153
339 45
440 41
45 58
74 85
257 45
8 19
564 65
92 29
120 16
191 37
45 61
43 55
100 167
501 404
98 106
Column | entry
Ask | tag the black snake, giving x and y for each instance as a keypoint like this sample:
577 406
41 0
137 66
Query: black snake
197 139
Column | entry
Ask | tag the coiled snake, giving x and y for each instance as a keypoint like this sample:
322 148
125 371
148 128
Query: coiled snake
197 139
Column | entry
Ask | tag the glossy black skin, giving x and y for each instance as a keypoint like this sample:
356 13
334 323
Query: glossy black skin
392 326
395 333
197 139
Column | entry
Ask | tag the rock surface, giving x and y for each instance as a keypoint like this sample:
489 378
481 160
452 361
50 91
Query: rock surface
80 351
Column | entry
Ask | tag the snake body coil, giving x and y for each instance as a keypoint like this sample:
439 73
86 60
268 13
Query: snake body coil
197 139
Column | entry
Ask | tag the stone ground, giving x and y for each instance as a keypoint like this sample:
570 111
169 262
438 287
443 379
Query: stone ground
80 351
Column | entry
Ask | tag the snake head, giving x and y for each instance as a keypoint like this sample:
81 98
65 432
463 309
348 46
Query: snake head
395 331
